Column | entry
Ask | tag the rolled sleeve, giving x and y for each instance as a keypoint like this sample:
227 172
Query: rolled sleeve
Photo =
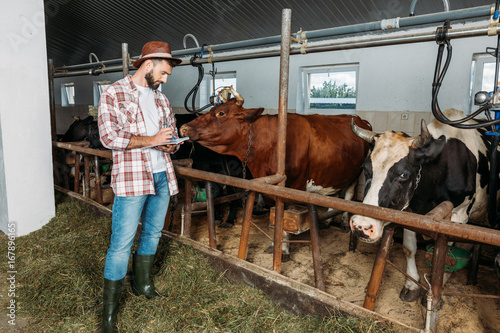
111 129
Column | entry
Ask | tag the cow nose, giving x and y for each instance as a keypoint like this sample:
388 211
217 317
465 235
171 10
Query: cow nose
183 130
361 230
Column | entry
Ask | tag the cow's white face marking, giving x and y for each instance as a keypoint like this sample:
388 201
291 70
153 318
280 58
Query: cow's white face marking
389 148
311 187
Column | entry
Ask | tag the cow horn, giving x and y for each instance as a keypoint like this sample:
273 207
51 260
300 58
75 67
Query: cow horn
364 134
223 94
239 99
424 138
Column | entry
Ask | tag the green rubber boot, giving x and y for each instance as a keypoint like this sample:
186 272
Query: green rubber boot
142 283
111 298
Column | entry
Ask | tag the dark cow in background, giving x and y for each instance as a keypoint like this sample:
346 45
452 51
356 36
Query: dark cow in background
442 163
208 160
323 155
84 131
81 130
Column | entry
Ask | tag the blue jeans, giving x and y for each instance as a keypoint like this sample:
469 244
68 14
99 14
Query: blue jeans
126 214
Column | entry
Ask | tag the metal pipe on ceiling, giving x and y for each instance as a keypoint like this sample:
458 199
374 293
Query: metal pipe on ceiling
328 45
462 14
98 71
369 41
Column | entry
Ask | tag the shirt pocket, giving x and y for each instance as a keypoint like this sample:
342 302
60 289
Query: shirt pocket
129 116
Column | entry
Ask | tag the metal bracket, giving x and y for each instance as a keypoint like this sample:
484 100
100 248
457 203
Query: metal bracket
492 28
211 53
442 33
301 39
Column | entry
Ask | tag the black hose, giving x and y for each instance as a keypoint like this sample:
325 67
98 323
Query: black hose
194 91
436 85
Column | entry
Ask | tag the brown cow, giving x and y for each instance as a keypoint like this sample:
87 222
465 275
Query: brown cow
323 155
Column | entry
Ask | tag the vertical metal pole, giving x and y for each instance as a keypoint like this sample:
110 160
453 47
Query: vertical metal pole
76 187
437 278
125 59
86 176
378 267
211 218
188 208
52 101
245 228
474 265
438 264
97 187
316 248
286 16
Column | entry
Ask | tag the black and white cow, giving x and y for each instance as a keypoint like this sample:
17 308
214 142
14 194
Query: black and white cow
442 163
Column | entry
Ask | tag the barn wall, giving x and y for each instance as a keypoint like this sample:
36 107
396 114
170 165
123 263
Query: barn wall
392 80
27 192
4 209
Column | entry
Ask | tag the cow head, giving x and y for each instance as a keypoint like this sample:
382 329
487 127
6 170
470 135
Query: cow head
393 172
225 128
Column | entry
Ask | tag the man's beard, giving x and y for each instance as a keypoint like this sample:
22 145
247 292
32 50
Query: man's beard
151 81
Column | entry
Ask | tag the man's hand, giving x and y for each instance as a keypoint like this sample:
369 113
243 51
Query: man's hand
164 135
167 148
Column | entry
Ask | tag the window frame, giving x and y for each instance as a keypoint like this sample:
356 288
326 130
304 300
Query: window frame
332 68
476 77
98 90
206 85
66 89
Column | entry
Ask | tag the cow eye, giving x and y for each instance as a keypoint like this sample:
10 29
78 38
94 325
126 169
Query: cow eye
404 176
220 114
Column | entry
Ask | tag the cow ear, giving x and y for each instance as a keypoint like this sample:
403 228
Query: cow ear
430 151
251 115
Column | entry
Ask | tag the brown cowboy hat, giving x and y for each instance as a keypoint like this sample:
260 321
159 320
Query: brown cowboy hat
155 49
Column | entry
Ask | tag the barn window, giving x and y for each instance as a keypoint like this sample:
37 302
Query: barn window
222 80
482 76
330 89
68 94
99 88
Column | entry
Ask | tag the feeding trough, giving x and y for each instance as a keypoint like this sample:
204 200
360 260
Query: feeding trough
456 258
296 219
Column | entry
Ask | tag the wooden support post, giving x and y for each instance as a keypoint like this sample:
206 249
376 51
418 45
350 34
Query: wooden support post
86 176
187 207
77 173
211 218
378 267
278 234
97 173
168 220
245 228
316 248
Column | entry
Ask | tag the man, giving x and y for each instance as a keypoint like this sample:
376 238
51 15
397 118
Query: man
136 122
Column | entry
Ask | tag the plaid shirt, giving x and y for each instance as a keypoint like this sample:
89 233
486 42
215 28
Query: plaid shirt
120 117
